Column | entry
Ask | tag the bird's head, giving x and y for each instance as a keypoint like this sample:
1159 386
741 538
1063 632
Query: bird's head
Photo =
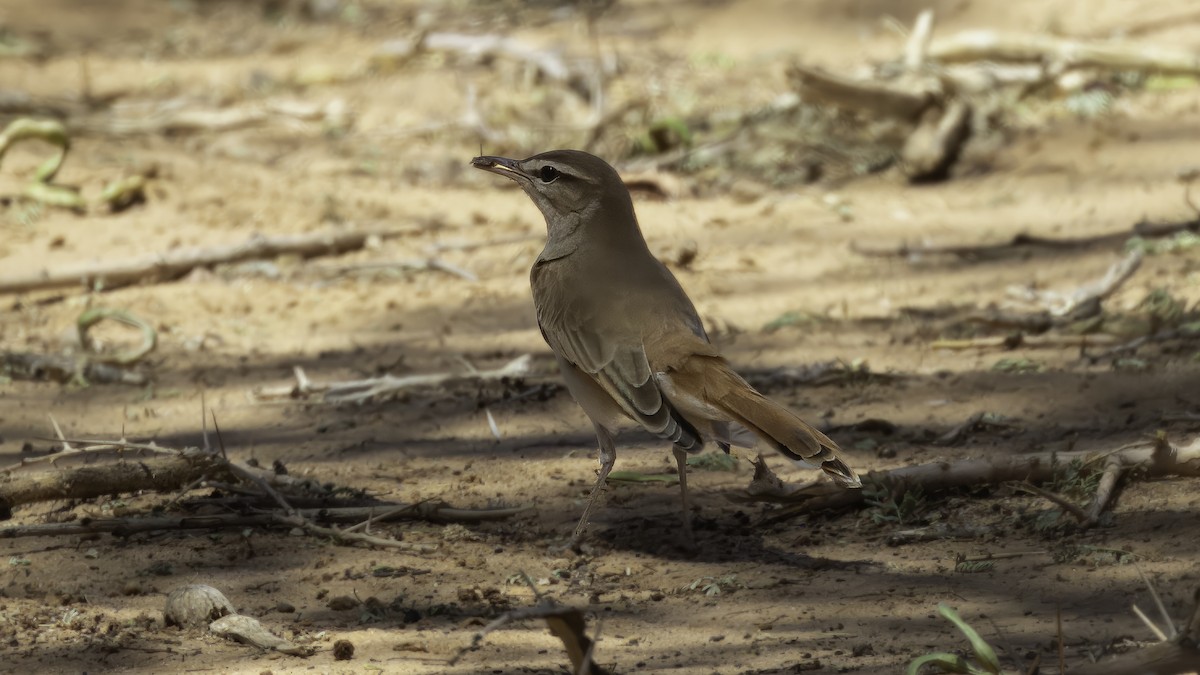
578 193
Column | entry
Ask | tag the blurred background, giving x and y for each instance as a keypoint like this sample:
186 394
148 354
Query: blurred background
940 230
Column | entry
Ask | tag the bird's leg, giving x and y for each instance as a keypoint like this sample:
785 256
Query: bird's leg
608 457
681 465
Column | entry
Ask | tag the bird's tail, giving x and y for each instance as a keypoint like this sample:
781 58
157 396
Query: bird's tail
775 424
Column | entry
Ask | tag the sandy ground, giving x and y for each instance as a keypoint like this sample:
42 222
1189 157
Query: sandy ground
819 594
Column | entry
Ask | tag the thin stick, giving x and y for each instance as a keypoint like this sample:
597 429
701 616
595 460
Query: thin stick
1172 657
987 45
350 537
1017 340
1162 610
1149 624
918 42
1179 460
89 452
379 517
1020 244
127 526
360 391
998 556
1105 489
174 264
203 422
220 440
66 447
263 485
1063 304
1062 503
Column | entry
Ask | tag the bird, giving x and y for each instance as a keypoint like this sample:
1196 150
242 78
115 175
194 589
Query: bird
628 340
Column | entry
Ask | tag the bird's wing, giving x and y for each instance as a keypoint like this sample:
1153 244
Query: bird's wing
617 362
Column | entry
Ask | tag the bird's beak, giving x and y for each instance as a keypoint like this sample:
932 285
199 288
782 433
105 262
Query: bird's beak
500 165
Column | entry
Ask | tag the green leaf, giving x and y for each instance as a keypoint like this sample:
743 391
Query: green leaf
948 663
1170 82
49 131
713 461
983 651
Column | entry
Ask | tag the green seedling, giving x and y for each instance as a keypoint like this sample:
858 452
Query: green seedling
986 662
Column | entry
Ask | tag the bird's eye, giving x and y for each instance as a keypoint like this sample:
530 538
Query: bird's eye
548 174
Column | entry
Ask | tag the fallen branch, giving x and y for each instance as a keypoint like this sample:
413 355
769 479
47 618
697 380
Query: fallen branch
1061 304
434 512
1061 502
94 474
1017 340
883 100
1176 656
361 391
1153 459
1061 53
176 117
1113 469
175 264
1022 244
163 473
1139 342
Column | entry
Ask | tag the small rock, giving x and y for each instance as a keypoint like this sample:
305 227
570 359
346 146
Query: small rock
343 650
285 608
195 605
342 603
249 631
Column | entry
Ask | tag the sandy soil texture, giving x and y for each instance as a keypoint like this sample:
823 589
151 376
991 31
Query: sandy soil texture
369 143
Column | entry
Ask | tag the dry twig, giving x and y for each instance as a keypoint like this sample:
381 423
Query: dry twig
883 100
1022 244
1061 502
174 264
181 116
372 388
1156 458
1061 304
1017 340
1178 655
1061 53
123 527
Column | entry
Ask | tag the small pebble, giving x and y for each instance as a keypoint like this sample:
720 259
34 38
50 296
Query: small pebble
342 603
343 650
